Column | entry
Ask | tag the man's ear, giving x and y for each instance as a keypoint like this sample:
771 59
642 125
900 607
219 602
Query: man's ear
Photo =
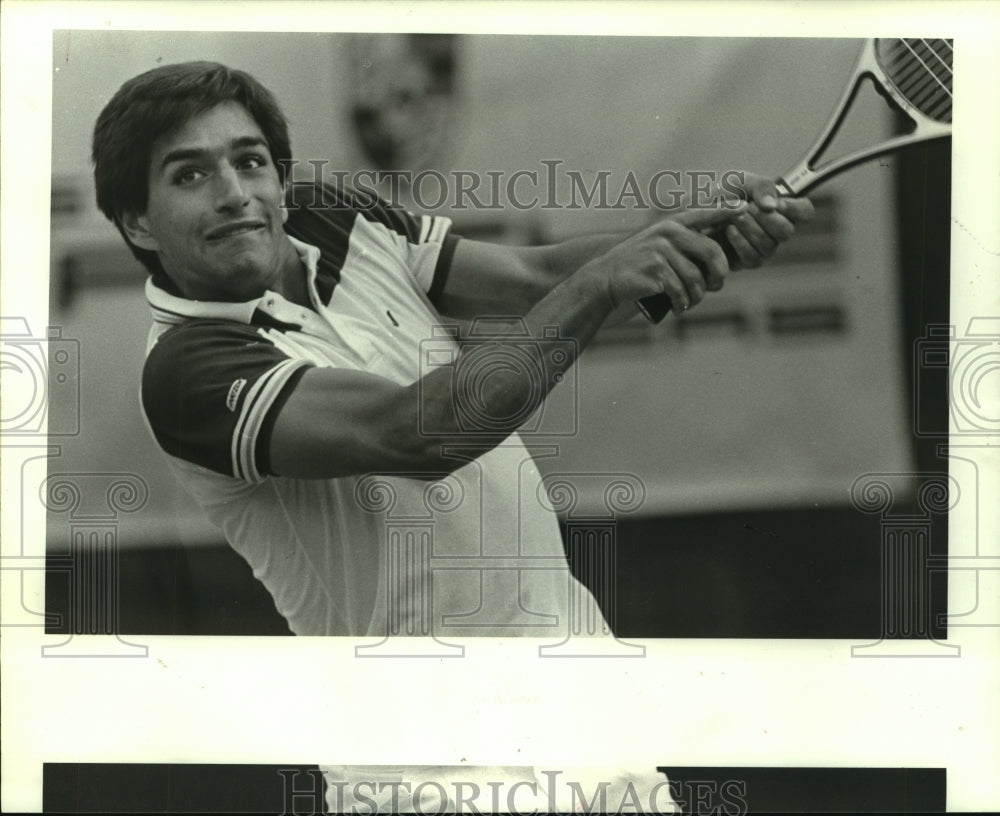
137 229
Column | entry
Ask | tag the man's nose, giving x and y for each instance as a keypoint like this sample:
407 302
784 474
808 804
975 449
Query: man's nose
231 191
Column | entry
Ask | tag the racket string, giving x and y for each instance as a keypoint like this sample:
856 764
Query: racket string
922 73
919 69
929 46
930 72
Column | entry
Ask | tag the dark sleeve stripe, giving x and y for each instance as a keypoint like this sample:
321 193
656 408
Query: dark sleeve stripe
209 388
262 454
320 206
255 407
443 267
398 220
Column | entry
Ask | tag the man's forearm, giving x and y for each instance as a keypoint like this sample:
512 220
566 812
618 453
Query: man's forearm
488 280
564 258
486 408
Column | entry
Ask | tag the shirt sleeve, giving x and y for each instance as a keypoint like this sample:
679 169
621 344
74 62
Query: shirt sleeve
211 391
323 214
427 242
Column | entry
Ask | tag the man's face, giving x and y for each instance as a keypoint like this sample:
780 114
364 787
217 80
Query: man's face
214 213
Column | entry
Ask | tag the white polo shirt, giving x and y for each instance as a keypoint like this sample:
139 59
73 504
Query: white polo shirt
477 553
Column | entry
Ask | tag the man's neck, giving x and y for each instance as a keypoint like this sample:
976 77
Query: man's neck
293 285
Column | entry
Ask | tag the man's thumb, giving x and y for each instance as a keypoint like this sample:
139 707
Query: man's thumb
703 217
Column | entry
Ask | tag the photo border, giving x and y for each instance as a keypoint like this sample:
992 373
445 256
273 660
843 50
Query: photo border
777 702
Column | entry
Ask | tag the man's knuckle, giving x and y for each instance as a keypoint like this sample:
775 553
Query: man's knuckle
717 258
801 209
672 286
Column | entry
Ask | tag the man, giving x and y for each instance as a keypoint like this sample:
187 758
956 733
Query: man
285 379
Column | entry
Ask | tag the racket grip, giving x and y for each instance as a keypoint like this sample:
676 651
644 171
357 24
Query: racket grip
657 307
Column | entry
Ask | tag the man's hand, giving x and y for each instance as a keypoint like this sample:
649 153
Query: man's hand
672 256
683 256
767 221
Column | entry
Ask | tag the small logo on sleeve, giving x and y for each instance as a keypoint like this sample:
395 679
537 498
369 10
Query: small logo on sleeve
234 393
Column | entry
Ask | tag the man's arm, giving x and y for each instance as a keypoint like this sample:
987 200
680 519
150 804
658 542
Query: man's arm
339 423
490 279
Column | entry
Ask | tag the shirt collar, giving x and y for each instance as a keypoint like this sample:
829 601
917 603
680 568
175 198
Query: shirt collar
173 309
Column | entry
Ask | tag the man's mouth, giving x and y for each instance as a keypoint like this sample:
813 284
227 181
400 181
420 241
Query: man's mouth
233 230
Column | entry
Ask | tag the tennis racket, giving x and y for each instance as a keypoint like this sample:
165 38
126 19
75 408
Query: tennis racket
913 75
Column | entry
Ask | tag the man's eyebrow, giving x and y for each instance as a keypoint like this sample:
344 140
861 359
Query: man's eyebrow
186 153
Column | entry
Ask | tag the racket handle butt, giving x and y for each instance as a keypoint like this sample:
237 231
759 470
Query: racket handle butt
655 307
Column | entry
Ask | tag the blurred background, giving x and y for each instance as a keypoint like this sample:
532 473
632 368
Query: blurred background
746 422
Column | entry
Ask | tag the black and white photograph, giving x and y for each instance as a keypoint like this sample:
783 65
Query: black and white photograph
466 408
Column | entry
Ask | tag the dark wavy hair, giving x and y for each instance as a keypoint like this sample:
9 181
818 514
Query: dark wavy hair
156 103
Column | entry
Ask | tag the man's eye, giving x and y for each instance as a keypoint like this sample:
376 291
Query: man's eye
188 176
253 162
